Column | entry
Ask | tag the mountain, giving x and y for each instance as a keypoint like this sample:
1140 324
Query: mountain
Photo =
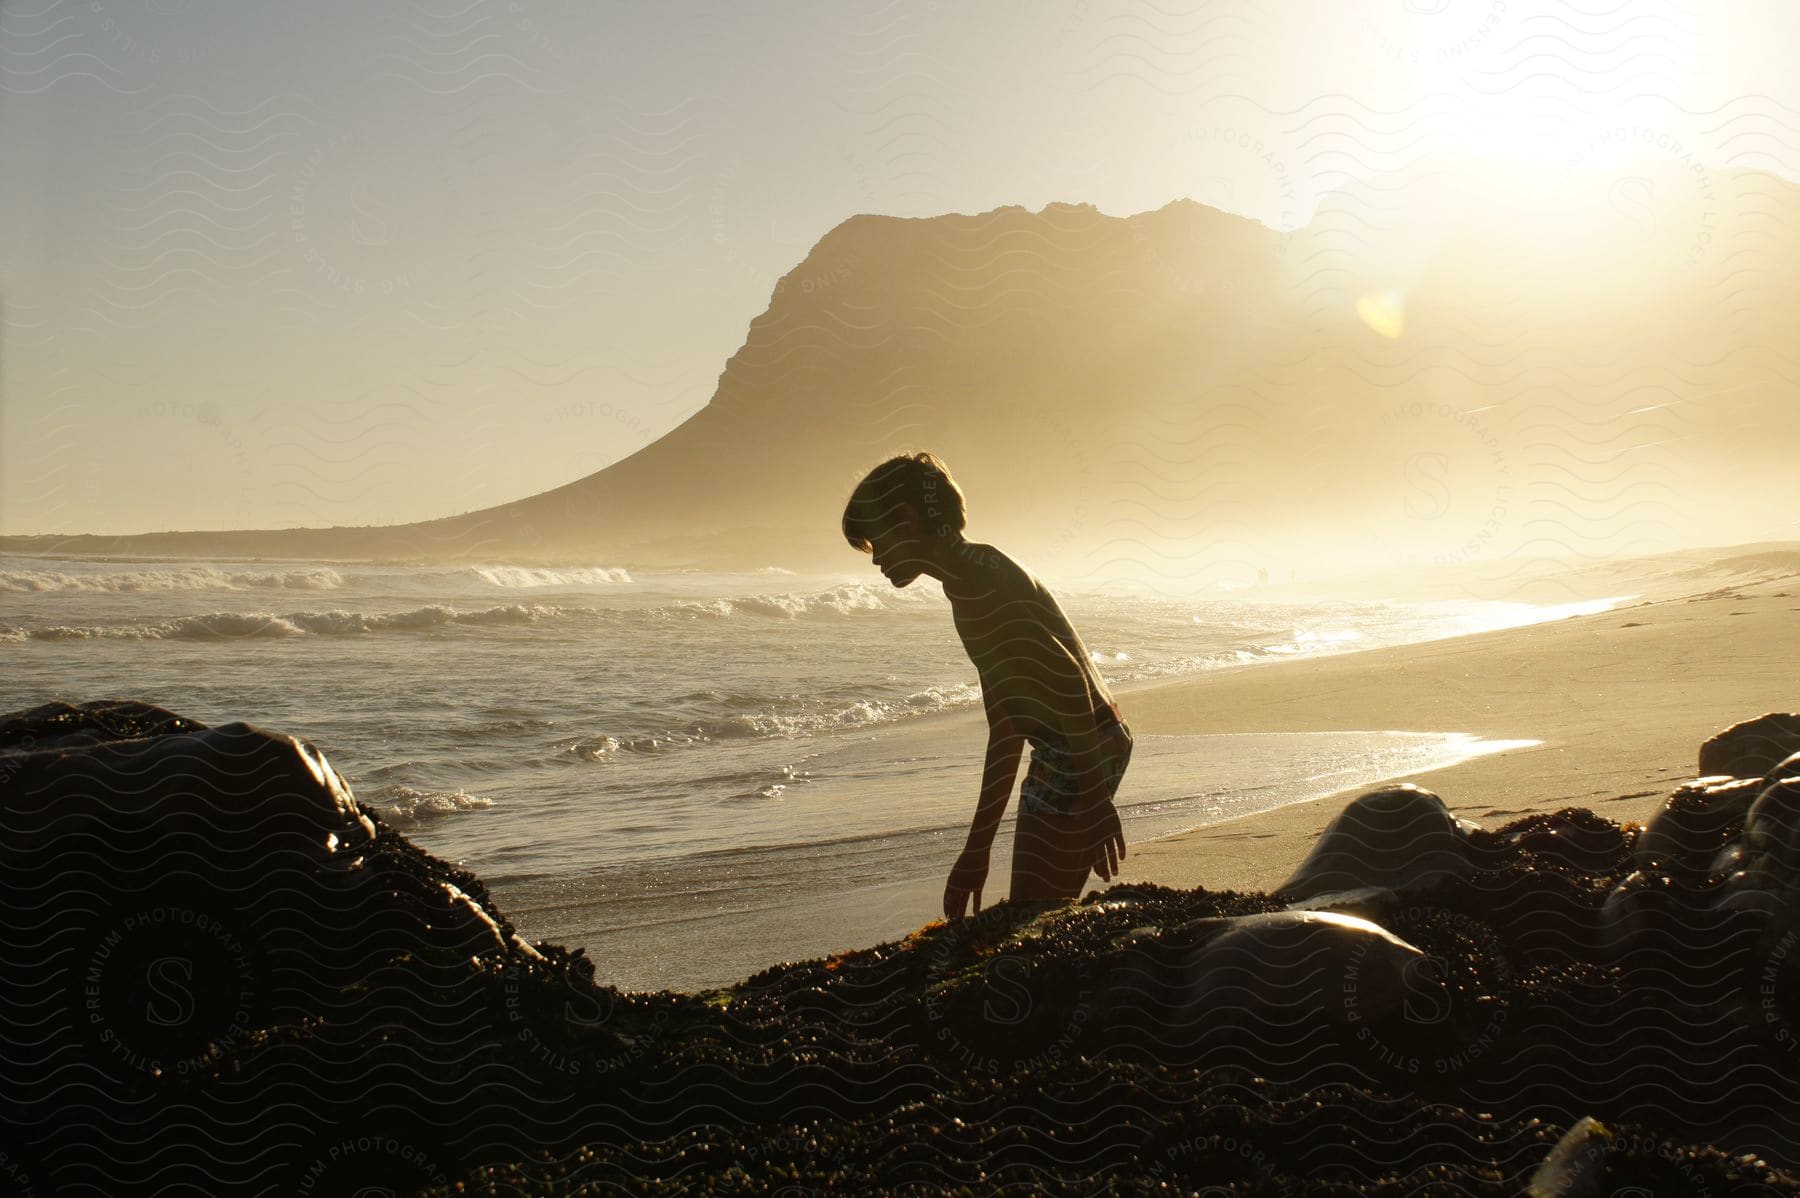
1457 364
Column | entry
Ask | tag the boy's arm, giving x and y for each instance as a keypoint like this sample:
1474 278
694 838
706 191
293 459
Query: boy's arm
999 768
1004 748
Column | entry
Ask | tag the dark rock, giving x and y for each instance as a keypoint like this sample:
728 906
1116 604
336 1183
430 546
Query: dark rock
1394 838
1752 748
1641 905
1276 966
1772 837
1574 1167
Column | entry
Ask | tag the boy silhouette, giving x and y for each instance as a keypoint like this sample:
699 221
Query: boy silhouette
1038 685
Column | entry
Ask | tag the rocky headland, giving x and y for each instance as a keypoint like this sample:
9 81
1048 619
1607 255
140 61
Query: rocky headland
1208 392
224 974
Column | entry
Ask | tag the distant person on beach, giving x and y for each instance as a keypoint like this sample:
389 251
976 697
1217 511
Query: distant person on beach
1037 683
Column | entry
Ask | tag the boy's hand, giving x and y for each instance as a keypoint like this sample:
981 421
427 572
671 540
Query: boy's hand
1105 840
966 880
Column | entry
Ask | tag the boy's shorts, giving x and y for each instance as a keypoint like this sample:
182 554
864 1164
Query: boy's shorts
1051 786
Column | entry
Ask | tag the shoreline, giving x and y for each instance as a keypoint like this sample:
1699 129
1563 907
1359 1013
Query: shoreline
850 893
1618 701
1520 683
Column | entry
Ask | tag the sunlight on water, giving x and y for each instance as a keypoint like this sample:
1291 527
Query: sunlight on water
1491 617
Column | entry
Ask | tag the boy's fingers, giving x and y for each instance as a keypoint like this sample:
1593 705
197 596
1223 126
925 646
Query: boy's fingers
978 900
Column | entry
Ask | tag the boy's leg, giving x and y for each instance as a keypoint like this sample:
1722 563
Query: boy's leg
1045 863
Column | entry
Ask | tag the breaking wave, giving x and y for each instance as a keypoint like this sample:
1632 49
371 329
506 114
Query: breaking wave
530 576
401 804
769 721
844 600
234 625
186 578
223 625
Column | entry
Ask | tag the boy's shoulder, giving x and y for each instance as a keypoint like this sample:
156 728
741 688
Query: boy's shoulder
981 560
981 555
989 570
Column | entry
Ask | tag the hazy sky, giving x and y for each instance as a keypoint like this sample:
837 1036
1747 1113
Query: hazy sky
310 264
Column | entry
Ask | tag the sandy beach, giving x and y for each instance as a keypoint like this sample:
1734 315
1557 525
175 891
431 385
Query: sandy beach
1620 702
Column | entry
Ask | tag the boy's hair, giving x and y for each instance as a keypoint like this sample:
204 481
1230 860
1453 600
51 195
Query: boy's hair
918 479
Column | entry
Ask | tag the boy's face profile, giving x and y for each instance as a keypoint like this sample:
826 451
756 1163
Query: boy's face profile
897 549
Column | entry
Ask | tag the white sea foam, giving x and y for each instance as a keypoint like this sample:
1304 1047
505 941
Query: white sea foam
847 599
232 625
528 576
766 721
186 578
860 713
838 601
399 803
219 625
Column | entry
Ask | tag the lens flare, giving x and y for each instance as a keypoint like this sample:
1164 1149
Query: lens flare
1384 311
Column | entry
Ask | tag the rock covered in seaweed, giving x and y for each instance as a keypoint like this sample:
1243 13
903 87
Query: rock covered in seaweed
1677 896
206 919
61 725
1695 823
1719 845
1164 1131
253 829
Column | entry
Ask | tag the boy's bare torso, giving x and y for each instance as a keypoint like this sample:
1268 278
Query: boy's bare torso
1034 669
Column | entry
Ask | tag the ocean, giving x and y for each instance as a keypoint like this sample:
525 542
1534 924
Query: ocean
691 775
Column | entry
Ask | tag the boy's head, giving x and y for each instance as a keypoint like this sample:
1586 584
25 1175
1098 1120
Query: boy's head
907 498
